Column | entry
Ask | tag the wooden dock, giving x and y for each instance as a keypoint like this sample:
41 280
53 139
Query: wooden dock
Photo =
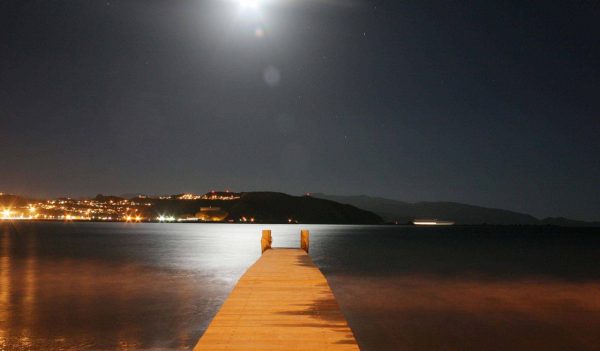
283 302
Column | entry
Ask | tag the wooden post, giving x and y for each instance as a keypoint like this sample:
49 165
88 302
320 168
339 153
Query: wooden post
265 242
304 239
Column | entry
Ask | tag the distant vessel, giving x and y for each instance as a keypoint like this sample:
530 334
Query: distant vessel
431 222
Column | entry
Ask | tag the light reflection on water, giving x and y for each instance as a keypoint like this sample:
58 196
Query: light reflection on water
95 286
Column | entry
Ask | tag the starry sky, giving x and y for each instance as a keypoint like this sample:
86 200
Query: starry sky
493 103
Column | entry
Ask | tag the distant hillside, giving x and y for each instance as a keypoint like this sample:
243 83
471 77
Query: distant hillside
393 210
274 207
264 207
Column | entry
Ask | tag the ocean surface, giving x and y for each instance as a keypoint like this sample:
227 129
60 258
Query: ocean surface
116 286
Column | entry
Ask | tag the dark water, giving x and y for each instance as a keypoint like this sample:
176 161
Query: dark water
94 286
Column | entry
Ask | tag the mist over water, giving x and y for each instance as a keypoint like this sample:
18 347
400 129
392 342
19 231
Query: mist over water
116 286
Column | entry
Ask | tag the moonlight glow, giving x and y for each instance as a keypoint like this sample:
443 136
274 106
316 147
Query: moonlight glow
248 4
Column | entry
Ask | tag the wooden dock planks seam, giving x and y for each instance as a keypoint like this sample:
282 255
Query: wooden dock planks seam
283 302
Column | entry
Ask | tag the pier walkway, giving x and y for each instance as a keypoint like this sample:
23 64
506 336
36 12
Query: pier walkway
283 302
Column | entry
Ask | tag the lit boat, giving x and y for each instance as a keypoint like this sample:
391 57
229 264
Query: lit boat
431 222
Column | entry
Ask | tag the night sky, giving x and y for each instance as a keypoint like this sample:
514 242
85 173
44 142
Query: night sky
486 102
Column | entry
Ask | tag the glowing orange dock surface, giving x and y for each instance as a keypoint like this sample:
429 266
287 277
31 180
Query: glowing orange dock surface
283 302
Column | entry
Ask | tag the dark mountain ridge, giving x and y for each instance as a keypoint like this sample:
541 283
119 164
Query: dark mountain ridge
280 208
404 212
274 207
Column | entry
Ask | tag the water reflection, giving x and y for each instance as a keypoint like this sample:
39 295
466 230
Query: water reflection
86 286
469 288
431 313
5 270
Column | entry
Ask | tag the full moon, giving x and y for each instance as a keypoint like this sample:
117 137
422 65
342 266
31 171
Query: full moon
248 4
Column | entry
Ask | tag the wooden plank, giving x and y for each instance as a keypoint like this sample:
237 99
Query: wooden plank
304 238
283 302
265 242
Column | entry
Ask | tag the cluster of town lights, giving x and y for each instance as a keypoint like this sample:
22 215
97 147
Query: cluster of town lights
8 214
114 209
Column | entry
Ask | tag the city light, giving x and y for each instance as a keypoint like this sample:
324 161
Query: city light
111 208
189 197
163 218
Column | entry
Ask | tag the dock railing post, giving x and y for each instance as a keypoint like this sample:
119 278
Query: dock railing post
265 242
304 239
